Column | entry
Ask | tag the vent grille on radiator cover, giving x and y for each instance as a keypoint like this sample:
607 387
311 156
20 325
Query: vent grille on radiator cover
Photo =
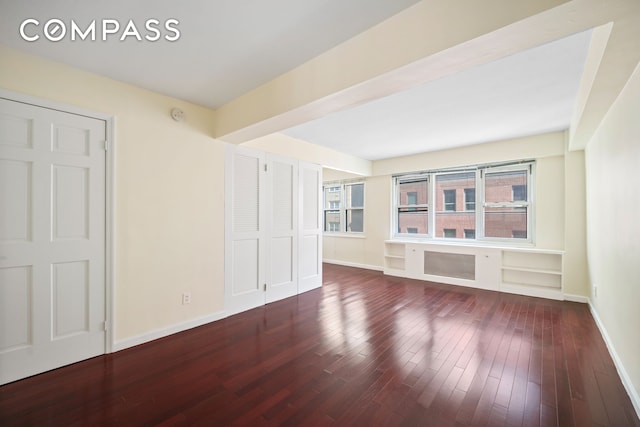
444 264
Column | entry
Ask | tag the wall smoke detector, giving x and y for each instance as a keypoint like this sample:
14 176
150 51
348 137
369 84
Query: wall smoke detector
177 114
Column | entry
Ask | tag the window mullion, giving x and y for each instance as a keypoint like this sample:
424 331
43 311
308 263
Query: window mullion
431 217
479 205
343 207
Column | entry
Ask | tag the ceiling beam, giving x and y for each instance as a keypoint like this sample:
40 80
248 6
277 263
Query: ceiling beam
431 40
426 41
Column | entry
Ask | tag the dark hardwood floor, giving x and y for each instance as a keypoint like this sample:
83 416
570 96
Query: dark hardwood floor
365 349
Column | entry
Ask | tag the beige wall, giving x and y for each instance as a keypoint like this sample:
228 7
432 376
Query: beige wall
613 228
576 272
288 146
169 204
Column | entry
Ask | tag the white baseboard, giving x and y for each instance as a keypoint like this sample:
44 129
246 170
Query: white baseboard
532 291
169 330
353 264
626 380
576 298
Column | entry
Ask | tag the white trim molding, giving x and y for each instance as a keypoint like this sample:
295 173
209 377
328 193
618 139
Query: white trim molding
576 298
353 264
624 376
165 332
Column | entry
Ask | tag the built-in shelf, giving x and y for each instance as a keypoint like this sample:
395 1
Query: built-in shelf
394 258
532 268
522 270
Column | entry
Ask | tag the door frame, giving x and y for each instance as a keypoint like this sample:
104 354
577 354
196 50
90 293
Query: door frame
110 193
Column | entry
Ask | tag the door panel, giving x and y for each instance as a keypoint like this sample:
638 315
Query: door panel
309 265
70 202
311 228
244 263
246 259
281 264
15 185
15 306
283 219
52 239
70 289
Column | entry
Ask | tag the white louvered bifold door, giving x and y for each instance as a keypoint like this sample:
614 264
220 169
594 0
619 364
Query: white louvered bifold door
282 253
310 234
244 230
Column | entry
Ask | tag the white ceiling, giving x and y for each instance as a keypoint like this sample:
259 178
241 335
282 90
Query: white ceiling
228 47
528 93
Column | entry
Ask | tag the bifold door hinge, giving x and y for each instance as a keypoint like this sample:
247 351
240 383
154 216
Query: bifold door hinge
106 146
265 287
265 167
104 326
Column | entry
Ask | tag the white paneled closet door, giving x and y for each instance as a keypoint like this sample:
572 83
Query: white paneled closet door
310 229
282 253
52 239
245 230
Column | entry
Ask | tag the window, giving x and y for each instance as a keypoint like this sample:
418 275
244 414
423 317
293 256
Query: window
412 204
447 214
519 192
355 207
332 204
519 234
506 208
483 202
449 233
469 199
344 207
450 200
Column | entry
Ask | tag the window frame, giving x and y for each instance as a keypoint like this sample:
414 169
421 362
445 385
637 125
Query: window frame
343 207
529 204
396 205
480 204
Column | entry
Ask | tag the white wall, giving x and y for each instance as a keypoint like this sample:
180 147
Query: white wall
613 229
169 206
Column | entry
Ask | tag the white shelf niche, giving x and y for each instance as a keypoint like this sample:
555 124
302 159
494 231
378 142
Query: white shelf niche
532 268
394 258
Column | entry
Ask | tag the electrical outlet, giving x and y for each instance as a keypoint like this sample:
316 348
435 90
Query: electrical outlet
186 298
595 291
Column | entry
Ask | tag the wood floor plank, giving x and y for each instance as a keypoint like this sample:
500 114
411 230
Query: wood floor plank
363 350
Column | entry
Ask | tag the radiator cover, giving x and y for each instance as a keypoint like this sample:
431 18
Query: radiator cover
444 264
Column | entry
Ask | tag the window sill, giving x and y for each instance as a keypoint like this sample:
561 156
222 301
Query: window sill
347 235
527 246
